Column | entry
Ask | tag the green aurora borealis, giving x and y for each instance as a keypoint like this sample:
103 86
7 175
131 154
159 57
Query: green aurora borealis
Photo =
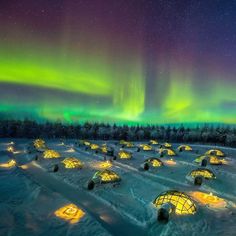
95 74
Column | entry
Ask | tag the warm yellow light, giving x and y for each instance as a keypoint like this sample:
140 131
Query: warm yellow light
153 142
155 162
167 151
70 212
51 154
188 148
39 143
170 162
105 164
215 152
86 143
129 145
101 164
24 167
215 161
104 149
106 176
71 162
10 149
11 163
185 148
182 202
208 199
94 146
167 145
147 147
207 174
124 155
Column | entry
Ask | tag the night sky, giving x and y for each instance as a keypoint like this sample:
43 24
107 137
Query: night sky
125 61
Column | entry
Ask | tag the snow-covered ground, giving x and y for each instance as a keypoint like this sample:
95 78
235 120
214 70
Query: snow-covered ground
123 209
27 208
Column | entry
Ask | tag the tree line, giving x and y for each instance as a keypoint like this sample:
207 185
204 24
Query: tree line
211 134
